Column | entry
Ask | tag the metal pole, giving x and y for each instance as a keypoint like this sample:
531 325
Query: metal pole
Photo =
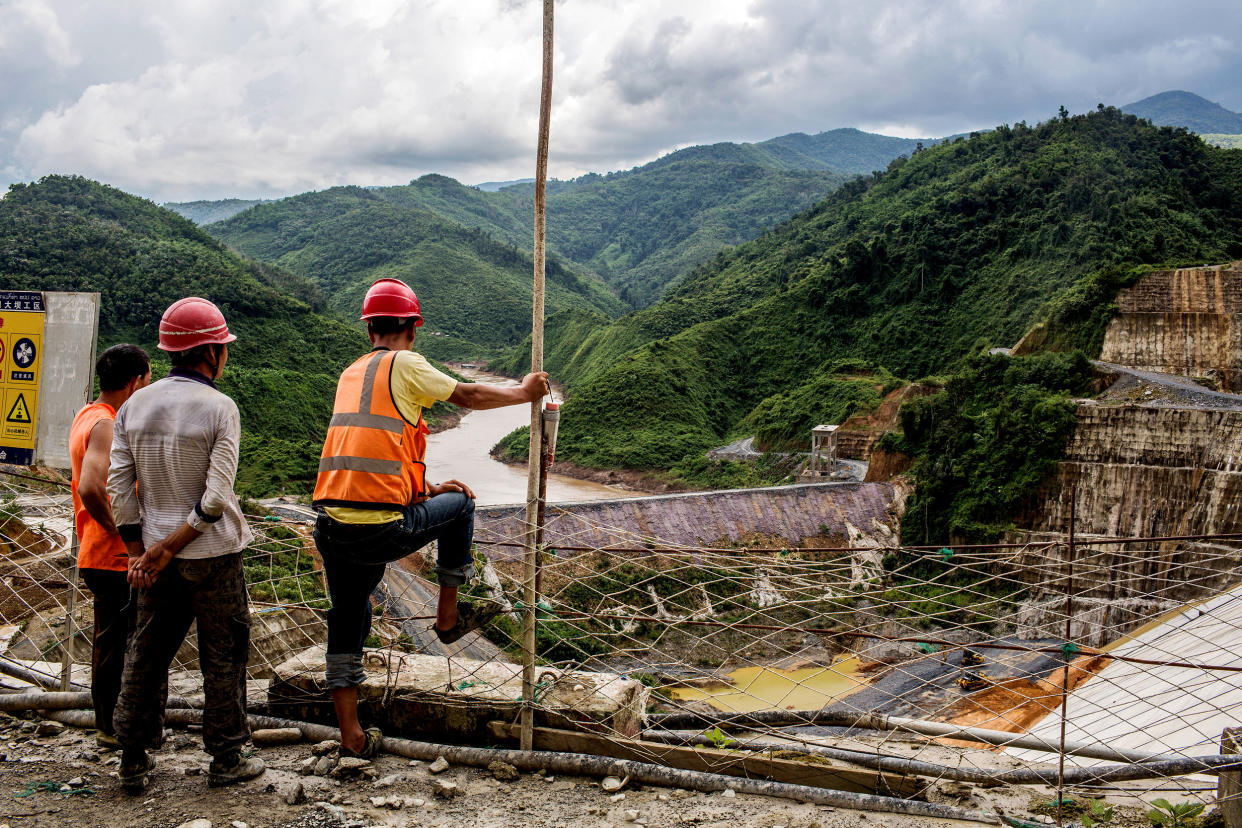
536 409
66 646
1069 614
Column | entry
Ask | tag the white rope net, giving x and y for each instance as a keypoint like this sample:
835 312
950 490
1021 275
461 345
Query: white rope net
895 668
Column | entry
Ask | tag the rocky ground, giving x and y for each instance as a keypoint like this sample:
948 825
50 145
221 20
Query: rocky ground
52 775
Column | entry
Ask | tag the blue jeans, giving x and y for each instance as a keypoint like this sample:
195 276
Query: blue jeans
355 555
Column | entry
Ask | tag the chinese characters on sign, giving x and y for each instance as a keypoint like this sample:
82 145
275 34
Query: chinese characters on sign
21 341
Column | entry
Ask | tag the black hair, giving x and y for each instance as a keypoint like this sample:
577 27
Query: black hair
120 364
385 325
193 357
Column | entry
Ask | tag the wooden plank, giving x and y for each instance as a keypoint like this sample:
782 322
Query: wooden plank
1229 783
819 773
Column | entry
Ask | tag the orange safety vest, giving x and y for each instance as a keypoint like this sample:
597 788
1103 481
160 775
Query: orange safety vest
373 456
96 548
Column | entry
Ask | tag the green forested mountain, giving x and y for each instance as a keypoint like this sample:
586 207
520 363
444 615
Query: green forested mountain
475 291
955 249
847 150
637 230
206 212
1186 109
640 230
68 233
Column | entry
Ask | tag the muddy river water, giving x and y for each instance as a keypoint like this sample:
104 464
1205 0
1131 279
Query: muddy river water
767 688
461 453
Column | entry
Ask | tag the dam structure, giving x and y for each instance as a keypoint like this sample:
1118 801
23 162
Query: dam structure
823 514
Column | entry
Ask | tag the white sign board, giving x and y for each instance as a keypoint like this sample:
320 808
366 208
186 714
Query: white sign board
70 335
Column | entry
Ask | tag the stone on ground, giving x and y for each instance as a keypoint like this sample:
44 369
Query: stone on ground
444 788
439 766
503 771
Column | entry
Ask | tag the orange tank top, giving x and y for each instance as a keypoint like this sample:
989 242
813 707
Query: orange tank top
96 548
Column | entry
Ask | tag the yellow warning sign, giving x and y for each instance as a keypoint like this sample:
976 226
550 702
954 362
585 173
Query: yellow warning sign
19 413
21 350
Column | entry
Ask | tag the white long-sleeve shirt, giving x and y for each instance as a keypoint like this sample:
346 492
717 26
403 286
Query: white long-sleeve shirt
177 440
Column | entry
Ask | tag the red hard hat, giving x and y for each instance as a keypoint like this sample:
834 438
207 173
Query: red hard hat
192 321
391 297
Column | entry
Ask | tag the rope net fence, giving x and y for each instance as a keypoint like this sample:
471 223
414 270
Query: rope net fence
1083 667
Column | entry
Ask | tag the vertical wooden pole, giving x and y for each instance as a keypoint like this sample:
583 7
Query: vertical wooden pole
66 645
1069 613
1229 784
536 410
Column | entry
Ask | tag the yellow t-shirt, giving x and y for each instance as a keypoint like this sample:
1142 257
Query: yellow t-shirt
415 386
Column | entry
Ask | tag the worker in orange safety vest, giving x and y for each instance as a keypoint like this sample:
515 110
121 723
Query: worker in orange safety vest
375 504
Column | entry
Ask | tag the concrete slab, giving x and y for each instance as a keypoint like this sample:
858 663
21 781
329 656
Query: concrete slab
438 697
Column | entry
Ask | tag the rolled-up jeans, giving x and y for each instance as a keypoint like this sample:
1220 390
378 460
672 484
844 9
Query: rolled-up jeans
355 554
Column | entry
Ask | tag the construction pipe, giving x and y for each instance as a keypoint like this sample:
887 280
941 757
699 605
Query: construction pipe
878 721
585 765
42 700
17 671
1037 775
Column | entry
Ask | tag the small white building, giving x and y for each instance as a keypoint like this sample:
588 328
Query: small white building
823 450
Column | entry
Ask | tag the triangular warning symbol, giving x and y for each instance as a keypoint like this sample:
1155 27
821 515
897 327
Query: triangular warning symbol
19 413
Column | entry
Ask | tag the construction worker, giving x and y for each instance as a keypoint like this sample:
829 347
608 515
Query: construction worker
374 501
174 459
102 561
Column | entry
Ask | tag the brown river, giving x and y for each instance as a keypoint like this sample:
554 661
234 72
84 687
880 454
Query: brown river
462 453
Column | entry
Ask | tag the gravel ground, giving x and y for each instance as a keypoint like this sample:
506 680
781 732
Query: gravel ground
35 768
1152 388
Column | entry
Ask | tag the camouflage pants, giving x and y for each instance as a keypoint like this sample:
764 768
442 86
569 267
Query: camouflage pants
211 591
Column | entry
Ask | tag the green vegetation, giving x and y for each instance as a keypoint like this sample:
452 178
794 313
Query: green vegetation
1180 815
985 443
463 248
832 394
472 288
1077 318
279 569
959 248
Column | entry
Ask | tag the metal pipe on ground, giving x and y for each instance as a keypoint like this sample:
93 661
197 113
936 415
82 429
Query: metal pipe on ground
1048 775
878 721
599 766
17 671
56 700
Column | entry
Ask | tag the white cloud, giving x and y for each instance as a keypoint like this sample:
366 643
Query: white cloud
180 99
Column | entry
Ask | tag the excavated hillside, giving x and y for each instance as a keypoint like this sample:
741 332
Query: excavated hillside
1183 321
1159 454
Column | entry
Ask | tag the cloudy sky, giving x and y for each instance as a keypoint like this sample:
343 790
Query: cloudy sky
187 99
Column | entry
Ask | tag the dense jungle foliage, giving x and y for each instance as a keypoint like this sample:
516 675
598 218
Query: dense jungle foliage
960 247
985 442
473 288
68 233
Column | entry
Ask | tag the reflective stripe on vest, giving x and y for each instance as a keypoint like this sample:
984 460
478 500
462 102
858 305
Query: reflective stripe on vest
372 456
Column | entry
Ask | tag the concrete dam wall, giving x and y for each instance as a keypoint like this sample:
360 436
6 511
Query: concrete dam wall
844 513
1183 322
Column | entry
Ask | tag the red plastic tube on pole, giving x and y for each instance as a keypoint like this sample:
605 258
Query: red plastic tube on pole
551 420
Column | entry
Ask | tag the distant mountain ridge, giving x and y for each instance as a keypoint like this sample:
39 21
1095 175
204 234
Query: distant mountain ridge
1186 109
641 229
206 212
846 150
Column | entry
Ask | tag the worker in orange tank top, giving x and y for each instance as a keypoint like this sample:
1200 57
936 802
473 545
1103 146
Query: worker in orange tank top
102 561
